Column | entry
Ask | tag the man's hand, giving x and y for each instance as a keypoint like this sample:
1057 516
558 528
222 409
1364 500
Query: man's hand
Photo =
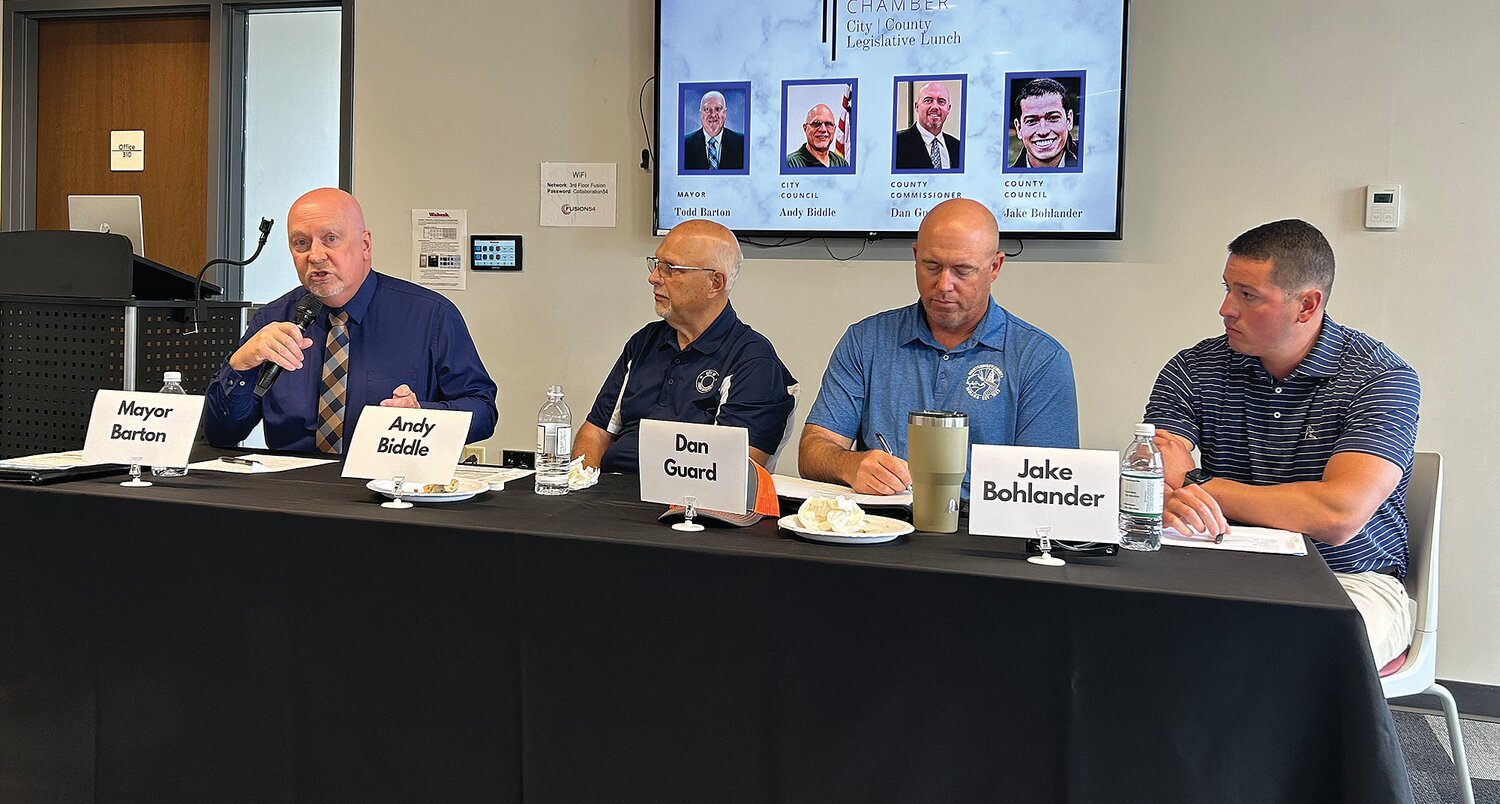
402 397
1191 509
279 342
1176 457
880 472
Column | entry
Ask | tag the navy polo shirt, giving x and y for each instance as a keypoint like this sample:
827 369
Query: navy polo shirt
1014 380
1350 394
730 376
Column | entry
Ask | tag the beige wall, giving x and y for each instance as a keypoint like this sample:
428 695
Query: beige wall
1238 113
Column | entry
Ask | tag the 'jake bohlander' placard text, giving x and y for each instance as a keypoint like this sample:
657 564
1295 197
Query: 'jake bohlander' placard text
154 429
419 445
702 460
1014 490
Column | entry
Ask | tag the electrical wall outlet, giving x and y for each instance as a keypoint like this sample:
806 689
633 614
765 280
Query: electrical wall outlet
518 459
477 453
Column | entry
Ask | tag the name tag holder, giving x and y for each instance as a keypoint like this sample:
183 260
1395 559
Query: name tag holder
411 446
695 466
141 427
1047 495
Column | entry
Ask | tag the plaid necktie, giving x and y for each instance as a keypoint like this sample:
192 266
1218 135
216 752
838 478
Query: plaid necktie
937 158
713 153
334 394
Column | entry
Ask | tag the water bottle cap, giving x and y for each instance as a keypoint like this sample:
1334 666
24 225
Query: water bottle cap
172 376
1144 429
554 390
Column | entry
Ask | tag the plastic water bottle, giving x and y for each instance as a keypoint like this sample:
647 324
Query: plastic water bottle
554 443
172 384
1141 490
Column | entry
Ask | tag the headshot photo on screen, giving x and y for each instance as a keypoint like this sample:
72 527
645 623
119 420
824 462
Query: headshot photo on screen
817 125
714 119
929 124
1045 128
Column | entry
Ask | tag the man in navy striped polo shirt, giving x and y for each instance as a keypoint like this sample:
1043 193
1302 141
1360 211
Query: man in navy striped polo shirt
1302 424
700 364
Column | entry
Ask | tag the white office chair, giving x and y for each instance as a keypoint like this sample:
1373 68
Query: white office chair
1415 671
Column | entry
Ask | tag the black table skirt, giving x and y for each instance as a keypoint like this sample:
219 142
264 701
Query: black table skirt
282 637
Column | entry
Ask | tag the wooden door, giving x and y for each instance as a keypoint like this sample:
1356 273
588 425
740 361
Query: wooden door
104 74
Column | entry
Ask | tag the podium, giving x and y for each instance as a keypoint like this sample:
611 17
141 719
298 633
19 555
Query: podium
80 312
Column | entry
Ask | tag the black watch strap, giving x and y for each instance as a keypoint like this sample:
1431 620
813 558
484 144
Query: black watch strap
1196 477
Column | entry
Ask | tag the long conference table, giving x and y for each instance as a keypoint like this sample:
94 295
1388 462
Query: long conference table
282 637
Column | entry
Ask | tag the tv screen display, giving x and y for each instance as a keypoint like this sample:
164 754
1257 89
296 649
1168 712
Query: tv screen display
855 117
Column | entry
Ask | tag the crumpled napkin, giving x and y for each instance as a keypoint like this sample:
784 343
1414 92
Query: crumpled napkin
581 477
836 514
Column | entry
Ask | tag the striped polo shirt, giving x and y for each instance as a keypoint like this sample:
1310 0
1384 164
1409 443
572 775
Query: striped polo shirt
1350 394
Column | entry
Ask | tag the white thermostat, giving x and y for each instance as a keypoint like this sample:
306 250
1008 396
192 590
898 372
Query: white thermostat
1383 206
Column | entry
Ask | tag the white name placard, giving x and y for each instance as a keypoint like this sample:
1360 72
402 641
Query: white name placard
1014 490
142 427
416 444
703 460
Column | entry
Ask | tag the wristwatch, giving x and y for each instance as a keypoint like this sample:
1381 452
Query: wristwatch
1196 477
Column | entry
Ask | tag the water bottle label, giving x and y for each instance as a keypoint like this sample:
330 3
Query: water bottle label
1141 495
554 439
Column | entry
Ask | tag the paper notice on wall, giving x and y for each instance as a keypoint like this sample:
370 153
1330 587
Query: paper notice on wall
437 247
578 194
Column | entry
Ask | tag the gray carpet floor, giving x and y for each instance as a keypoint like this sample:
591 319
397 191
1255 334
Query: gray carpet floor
1429 761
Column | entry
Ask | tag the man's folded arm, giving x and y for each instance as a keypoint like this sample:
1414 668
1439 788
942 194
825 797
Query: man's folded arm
1332 509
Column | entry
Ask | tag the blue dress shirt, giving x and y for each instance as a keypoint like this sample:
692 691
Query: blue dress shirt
398 333
1013 380
729 376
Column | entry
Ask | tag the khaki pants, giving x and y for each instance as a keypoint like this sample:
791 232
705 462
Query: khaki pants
1382 601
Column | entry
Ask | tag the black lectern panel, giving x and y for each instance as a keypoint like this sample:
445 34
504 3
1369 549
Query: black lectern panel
80 312
92 265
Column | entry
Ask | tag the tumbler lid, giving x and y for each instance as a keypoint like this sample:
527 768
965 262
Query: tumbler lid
938 418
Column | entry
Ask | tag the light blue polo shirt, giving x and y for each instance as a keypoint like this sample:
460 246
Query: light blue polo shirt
1013 380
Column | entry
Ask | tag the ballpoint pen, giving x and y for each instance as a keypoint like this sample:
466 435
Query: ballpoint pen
883 445
239 460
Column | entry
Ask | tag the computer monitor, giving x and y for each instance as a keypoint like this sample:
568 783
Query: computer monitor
120 214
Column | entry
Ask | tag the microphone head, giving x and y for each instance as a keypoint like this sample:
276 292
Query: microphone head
307 310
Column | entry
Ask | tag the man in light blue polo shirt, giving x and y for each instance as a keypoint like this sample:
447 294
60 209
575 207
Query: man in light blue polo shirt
700 364
955 349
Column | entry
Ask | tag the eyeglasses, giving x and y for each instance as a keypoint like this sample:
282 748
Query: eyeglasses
667 269
819 124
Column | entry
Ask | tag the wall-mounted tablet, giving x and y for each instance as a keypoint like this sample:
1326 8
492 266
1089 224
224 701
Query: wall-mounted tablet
495 252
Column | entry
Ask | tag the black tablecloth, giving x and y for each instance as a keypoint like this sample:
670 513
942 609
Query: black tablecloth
278 637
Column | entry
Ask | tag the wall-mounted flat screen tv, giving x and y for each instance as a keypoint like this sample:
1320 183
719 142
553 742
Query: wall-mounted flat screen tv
855 117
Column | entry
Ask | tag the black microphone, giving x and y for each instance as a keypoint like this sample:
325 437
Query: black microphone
265 231
302 315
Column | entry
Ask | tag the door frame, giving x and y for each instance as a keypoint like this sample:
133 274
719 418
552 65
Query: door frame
226 100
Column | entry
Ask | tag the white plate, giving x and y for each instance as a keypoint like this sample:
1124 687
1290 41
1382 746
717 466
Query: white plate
466 489
876 529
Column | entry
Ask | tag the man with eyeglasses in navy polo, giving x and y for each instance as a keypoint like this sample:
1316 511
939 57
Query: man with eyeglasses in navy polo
700 364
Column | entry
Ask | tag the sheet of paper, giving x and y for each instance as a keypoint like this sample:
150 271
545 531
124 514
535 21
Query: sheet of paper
438 241
46 460
492 475
578 194
262 465
799 489
1246 539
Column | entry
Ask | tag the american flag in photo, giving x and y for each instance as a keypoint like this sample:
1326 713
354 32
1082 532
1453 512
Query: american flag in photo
841 138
